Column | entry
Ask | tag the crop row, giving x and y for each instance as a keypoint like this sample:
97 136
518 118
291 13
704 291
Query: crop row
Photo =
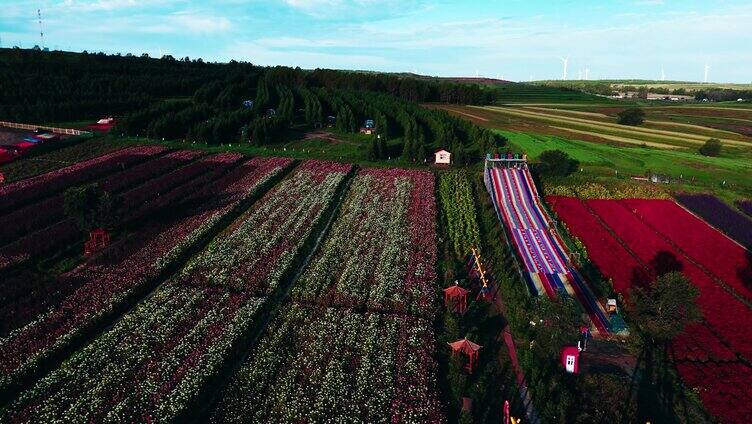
333 365
721 216
456 199
37 215
16 194
107 285
381 251
149 365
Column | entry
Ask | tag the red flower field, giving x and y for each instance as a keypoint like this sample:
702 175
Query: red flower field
633 240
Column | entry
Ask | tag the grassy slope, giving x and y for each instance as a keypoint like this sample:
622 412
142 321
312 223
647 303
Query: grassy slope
602 160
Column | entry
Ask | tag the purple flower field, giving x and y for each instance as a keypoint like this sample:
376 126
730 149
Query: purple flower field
745 206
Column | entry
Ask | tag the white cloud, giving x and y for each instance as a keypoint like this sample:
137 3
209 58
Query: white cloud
260 54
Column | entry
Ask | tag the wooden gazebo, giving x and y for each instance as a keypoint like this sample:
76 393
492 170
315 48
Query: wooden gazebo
455 298
468 348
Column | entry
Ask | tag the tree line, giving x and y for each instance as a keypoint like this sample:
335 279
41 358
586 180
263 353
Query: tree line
41 86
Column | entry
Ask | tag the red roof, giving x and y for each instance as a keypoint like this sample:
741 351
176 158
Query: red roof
101 127
465 346
25 145
455 291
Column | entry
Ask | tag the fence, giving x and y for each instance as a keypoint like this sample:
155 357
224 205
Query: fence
31 127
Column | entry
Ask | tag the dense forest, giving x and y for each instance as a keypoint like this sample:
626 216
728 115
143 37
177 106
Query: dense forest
40 86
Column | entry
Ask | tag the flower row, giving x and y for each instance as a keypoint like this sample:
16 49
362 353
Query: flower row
141 201
37 215
745 206
107 284
329 364
14 195
381 251
149 366
256 253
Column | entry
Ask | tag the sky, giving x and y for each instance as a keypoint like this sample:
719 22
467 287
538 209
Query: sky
516 40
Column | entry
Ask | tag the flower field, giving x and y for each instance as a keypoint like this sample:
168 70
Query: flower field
127 336
456 199
659 236
148 367
720 215
256 253
329 364
745 206
381 250
157 357
108 284
45 212
16 194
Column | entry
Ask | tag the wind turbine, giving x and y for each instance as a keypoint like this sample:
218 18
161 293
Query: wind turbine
663 74
587 73
579 74
565 61
707 68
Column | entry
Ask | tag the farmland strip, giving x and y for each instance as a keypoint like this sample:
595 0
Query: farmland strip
328 363
381 251
666 135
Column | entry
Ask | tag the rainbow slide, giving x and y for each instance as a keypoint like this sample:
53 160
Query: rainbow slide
538 246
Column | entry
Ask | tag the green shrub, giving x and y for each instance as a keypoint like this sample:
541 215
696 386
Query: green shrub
633 116
556 163
711 147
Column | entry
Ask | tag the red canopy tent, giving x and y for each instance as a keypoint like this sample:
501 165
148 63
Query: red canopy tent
455 298
468 348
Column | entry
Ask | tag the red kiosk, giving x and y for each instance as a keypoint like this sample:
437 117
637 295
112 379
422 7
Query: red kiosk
455 298
468 348
570 359
98 240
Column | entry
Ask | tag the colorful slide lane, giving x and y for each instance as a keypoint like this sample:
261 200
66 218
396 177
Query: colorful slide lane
517 205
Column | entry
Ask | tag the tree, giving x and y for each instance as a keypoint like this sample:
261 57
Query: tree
91 207
561 321
662 310
555 163
712 147
633 116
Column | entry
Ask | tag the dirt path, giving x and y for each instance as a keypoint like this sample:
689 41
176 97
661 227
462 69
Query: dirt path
469 115
323 135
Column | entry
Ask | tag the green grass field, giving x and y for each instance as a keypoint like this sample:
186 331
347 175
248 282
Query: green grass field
603 160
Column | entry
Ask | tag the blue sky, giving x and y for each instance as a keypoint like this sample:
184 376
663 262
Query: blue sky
513 39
